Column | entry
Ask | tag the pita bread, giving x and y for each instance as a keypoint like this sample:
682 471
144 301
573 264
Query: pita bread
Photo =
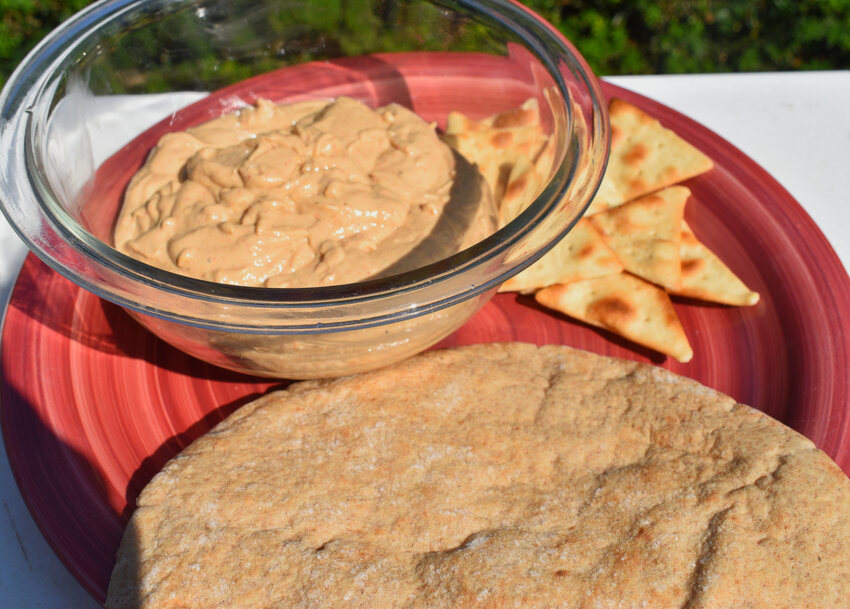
626 305
644 157
493 476
645 234
582 254
704 276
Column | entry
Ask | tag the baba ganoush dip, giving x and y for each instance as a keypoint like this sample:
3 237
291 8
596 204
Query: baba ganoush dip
306 194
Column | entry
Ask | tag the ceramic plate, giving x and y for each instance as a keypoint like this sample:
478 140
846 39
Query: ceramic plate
93 405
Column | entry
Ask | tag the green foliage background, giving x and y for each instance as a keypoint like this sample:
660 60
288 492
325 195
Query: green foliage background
680 36
615 36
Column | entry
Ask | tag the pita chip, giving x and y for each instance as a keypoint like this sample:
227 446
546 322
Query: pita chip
526 115
498 142
495 151
545 157
645 156
523 184
582 254
645 234
704 276
626 305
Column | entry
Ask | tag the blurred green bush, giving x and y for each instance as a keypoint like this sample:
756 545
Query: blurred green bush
679 36
25 22
616 36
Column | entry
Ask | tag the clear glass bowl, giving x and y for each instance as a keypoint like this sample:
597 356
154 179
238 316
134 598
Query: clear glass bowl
73 112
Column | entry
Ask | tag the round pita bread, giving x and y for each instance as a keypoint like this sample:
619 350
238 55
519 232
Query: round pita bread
500 475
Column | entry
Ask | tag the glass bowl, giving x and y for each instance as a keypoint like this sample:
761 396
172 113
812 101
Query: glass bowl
82 110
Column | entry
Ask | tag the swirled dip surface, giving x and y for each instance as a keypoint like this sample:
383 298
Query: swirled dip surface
306 194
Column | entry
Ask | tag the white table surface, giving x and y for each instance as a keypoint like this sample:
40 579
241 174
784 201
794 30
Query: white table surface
795 125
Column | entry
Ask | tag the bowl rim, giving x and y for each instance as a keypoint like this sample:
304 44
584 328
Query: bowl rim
56 49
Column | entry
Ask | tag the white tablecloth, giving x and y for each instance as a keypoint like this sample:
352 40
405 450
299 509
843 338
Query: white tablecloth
795 125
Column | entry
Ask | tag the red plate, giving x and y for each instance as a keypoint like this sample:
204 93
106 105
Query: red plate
93 405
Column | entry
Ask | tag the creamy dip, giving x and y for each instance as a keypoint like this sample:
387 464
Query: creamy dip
306 194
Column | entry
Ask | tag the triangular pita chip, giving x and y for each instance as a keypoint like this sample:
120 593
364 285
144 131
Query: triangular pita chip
582 254
545 158
524 182
498 142
625 305
495 151
644 157
645 234
526 115
704 275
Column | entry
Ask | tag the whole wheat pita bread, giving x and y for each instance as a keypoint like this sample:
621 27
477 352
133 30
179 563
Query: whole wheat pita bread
626 305
493 476
645 157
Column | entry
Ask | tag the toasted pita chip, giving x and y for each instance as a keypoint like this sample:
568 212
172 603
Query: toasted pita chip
645 156
545 158
645 234
524 182
704 276
496 151
526 115
498 142
604 196
625 305
582 254
461 123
